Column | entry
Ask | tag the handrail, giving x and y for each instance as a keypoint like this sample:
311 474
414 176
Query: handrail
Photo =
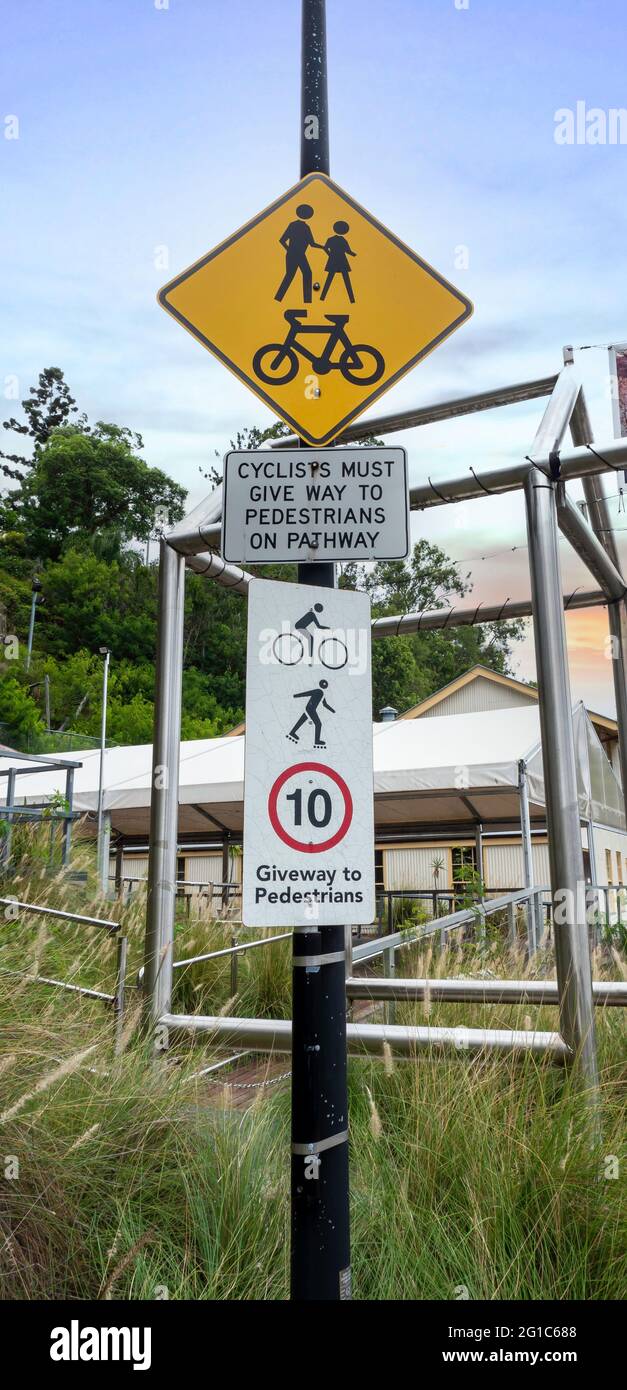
270 1035
65 916
61 984
113 928
484 908
606 993
231 950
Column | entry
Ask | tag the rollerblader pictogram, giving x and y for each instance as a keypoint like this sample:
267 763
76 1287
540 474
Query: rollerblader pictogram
315 702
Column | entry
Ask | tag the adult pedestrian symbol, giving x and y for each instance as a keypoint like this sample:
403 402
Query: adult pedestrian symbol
308 793
316 306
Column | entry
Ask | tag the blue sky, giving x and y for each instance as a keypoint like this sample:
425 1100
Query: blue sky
143 128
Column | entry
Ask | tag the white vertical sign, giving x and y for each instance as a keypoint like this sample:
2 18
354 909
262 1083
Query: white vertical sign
308 795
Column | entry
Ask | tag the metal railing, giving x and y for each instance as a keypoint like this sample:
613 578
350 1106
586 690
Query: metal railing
117 999
227 893
270 1035
469 916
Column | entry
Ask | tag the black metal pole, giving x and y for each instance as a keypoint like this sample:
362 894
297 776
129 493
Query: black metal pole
320 1263
314 159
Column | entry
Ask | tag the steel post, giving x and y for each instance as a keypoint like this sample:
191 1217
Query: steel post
5 845
511 925
31 629
67 824
226 865
560 779
527 853
161 886
120 988
479 853
100 856
104 853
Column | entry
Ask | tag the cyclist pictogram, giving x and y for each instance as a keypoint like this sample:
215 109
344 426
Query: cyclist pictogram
277 363
303 643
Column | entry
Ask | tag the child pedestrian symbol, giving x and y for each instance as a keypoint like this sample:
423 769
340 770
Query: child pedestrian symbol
338 251
315 702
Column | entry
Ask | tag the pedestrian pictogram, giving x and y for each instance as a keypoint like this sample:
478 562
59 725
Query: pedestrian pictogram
308 795
316 306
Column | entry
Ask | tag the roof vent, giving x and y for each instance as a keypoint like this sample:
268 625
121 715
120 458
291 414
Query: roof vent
388 714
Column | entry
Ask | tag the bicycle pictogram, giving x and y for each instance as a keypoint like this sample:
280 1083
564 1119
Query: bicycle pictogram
277 363
289 650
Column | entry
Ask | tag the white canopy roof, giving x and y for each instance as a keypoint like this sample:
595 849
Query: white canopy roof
448 769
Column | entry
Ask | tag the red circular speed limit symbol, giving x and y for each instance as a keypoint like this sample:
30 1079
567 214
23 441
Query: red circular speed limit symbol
309 807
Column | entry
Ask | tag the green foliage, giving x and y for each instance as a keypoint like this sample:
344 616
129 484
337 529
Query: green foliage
93 603
81 501
20 719
86 482
473 1171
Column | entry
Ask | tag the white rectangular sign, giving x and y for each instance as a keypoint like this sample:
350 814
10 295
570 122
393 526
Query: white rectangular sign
618 379
308 795
315 504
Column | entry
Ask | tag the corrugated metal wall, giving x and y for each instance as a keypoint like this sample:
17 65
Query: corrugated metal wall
503 865
616 842
203 868
478 695
413 867
134 866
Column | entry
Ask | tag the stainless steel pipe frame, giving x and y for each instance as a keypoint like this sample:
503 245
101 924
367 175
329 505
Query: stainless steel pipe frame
63 916
203 528
161 885
573 965
440 410
275 1035
589 548
606 993
572 952
601 523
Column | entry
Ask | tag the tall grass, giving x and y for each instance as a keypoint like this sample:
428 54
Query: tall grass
134 1176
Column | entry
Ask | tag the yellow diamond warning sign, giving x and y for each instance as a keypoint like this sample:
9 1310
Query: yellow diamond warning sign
316 306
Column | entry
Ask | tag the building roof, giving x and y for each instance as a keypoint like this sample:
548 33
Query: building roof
606 727
467 678
454 769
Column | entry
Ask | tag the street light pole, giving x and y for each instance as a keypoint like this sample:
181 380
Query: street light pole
320 1226
104 651
36 590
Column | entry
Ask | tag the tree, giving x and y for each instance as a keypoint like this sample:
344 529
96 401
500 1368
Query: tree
47 407
408 669
84 483
92 603
20 720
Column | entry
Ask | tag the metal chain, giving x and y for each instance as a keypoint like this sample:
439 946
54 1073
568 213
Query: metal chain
250 1085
